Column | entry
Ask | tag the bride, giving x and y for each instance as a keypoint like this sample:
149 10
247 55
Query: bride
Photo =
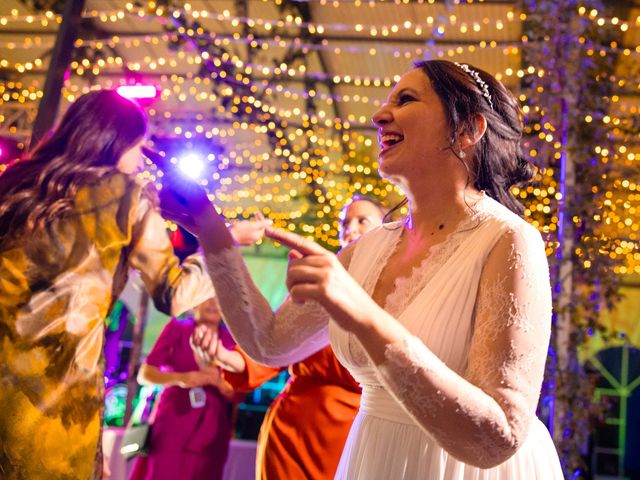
444 318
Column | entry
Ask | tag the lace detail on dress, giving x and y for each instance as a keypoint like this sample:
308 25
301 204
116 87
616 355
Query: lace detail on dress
408 288
293 333
505 314
408 365
228 268
403 362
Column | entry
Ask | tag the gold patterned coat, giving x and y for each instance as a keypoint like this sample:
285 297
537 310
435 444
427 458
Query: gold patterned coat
56 287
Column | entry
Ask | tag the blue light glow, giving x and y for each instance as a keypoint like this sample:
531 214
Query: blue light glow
191 165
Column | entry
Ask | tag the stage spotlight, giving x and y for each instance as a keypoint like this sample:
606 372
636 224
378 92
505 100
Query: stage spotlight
191 165
137 92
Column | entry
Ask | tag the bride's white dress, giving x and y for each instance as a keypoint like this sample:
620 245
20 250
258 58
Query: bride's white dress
455 400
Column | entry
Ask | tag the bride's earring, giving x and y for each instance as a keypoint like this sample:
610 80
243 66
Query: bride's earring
461 154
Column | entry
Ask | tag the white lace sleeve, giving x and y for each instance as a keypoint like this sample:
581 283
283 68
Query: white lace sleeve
482 418
292 333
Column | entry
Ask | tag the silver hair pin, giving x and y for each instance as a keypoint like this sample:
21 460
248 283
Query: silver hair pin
476 78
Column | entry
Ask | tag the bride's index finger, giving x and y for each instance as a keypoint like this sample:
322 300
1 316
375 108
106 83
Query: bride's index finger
294 241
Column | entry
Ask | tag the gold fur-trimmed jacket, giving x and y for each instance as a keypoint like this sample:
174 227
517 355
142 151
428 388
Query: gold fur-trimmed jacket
56 287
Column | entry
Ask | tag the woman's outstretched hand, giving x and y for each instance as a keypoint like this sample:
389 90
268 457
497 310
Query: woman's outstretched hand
248 232
185 202
314 273
182 200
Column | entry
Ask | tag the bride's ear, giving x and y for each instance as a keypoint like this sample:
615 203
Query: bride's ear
468 139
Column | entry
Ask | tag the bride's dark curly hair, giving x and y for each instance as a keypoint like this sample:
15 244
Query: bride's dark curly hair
87 144
498 162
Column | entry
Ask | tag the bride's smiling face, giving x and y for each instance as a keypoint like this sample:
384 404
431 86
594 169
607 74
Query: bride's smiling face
413 131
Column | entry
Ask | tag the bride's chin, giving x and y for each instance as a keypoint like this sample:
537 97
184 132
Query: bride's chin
390 175
382 166
387 166
382 172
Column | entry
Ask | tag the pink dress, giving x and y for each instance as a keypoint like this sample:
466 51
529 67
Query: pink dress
186 442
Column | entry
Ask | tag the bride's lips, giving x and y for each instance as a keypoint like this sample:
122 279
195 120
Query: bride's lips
388 140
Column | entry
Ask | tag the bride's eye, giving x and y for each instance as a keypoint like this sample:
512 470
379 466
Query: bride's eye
405 98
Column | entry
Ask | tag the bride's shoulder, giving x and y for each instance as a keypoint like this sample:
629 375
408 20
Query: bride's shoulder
503 222
496 213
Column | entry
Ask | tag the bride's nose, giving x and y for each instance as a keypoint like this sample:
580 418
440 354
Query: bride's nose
382 116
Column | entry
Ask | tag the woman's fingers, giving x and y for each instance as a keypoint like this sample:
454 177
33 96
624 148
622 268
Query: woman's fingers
295 255
184 195
196 336
302 292
248 232
172 206
316 261
179 218
208 338
294 241
303 274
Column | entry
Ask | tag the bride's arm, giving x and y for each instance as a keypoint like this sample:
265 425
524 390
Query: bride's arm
294 332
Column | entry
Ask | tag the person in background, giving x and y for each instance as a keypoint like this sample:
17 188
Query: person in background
192 425
443 318
305 428
74 219
361 214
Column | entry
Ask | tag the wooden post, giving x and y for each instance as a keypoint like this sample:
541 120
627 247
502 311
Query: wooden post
60 59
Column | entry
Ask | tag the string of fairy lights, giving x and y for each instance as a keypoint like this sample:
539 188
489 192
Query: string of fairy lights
335 155
445 20
438 23
441 22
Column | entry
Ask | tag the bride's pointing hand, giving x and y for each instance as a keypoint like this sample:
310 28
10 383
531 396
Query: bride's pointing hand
314 273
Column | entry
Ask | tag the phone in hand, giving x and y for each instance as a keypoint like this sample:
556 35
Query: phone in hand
171 175
180 196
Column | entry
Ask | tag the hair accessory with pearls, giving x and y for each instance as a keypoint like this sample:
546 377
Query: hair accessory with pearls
476 78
